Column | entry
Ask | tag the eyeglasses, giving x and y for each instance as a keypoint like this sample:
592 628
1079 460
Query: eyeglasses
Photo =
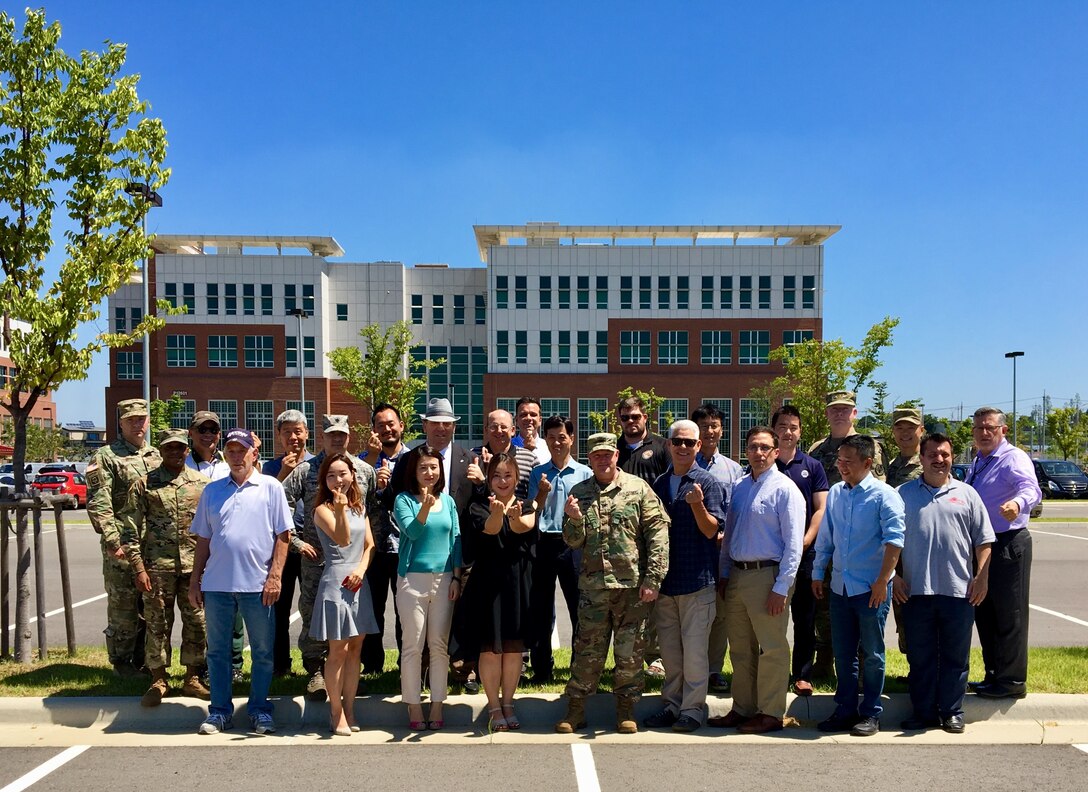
760 448
985 429
631 417
686 442
208 429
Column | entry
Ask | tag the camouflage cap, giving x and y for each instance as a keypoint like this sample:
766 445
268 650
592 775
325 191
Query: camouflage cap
335 423
131 407
167 436
204 415
601 441
911 414
842 397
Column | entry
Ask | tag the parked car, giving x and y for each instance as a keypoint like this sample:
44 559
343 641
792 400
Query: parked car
63 482
1060 478
959 471
7 485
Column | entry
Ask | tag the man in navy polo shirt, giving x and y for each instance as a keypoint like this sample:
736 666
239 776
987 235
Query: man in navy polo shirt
808 474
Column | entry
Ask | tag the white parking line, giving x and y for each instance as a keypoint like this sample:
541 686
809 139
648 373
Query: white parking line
1064 536
61 610
42 770
1081 747
585 769
1049 612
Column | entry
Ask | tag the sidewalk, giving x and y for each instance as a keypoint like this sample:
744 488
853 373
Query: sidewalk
121 721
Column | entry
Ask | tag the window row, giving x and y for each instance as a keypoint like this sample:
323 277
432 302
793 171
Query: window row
259 416
554 347
438 309
663 292
232 299
222 352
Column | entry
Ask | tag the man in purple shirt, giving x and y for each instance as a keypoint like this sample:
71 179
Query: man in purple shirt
1005 480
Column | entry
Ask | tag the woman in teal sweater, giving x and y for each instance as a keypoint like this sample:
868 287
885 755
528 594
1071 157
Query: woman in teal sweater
429 581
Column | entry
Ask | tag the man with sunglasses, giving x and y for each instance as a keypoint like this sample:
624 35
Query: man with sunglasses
695 503
206 458
642 453
761 551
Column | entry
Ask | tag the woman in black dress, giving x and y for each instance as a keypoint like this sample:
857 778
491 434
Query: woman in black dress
498 589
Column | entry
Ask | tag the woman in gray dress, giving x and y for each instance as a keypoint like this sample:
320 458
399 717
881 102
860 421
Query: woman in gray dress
343 611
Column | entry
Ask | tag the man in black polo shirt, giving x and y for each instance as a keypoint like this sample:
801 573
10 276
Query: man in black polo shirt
642 453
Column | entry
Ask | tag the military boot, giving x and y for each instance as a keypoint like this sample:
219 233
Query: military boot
193 686
158 689
625 717
575 718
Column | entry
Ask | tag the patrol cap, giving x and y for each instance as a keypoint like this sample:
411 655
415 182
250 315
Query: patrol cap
131 407
846 397
239 435
202 416
601 441
911 414
167 436
335 423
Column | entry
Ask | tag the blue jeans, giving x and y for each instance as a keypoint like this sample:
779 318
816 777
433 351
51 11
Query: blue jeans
939 651
854 623
260 620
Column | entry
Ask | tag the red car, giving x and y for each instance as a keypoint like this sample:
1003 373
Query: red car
63 482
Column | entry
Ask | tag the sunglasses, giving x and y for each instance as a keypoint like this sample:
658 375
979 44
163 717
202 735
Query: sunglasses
635 417
687 442
208 429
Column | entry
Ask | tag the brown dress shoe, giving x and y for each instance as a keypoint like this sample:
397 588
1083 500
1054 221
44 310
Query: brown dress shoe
761 724
730 721
802 687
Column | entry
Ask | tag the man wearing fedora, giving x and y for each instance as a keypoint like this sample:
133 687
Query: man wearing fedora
301 485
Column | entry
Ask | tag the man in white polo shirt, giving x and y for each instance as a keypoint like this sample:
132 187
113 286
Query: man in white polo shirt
242 524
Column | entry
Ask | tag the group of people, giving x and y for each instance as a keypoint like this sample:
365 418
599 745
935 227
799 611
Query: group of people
661 546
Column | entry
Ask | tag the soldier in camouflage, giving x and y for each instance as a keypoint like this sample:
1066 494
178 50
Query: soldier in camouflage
111 473
622 529
841 411
301 485
155 534
907 429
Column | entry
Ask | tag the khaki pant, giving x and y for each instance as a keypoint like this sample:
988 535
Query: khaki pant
683 626
426 612
757 643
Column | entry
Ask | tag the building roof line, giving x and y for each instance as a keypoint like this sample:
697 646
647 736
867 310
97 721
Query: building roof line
195 245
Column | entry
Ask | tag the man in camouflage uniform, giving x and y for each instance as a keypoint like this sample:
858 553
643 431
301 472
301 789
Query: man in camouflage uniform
841 411
111 473
907 429
301 485
622 529
155 532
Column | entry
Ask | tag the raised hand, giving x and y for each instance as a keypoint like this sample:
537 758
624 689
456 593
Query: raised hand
475 473
572 509
339 500
383 474
291 460
544 487
496 505
374 444
485 454
426 497
514 510
694 495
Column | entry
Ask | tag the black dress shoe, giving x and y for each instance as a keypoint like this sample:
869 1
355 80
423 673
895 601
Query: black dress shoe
915 723
996 690
953 724
866 727
973 686
686 724
838 723
661 719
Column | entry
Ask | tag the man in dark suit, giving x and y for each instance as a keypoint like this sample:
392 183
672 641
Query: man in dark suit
439 425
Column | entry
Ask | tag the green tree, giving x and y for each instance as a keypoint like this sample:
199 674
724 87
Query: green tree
1066 430
815 368
162 414
43 444
379 370
73 134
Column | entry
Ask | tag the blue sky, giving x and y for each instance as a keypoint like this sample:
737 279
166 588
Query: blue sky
948 140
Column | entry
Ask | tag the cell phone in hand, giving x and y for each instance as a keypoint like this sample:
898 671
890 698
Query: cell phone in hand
346 583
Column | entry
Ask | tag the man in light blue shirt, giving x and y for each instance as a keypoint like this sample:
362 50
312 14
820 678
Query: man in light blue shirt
862 535
549 486
242 524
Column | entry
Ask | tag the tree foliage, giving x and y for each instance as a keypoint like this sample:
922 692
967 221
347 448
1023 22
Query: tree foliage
379 370
162 414
44 443
1066 431
815 368
73 134
609 421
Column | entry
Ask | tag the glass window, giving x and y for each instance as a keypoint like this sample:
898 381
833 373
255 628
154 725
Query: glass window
259 352
170 294
725 445
602 291
230 299
130 366
550 407
119 320
764 291
502 346
745 292
438 308
664 295
181 351
602 347
521 291
266 299
583 346
308 412
290 298
564 346
417 309
545 346
751 414
212 292
635 347
183 417
188 297
564 291
309 352
672 347
227 410
502 291
222 351
626 288
725 293
789 291
481 309
795 336
755 346
260 420
669 411
645 292
341 312
592 417
545 292
683 292
583 291
458 309
249 299
808 291
521 346
308 298
707 293
716 348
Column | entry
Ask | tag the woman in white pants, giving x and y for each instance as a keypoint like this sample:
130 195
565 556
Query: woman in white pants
429 581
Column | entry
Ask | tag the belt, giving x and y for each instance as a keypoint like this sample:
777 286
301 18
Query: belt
755 564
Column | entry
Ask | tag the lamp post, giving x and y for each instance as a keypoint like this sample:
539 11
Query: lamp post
1014 356
300 314
152 198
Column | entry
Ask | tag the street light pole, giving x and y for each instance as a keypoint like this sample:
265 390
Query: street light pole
152 198
1014 356
301 314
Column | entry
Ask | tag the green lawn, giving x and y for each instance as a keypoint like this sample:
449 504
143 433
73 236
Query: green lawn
1053 670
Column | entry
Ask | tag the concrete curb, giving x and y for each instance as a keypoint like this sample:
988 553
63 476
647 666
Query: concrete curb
1037 718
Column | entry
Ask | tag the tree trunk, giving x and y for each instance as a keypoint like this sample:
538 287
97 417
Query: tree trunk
22 546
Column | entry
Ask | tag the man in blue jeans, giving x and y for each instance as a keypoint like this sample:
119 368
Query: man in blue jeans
862 535
242 524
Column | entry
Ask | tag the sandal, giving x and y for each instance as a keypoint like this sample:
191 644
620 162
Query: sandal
512 719
499 724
